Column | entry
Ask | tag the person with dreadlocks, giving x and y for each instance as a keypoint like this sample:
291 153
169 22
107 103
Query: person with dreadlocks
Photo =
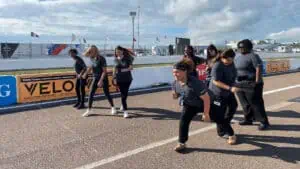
189 53
194 95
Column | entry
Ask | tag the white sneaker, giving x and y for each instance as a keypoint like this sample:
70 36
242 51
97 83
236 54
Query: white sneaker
126 115
88 111
113 111
121 108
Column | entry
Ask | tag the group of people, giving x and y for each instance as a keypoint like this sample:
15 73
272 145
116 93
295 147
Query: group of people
228 76
97 65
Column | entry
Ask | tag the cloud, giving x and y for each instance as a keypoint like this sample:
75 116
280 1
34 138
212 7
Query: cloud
292 34
203 21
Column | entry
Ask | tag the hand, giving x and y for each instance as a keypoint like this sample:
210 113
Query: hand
100 83
84 76
175 95
205 118
79 76
114 82
235 89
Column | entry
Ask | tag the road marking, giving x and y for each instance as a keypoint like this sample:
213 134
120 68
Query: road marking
281 89
173 139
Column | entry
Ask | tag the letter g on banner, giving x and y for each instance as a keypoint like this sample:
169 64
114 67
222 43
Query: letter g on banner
8 90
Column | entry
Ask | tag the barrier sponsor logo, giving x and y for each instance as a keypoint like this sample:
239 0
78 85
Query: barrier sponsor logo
277 66
33 88
8 92
201 70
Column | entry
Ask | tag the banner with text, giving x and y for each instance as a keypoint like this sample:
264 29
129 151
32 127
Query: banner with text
277 66
44 87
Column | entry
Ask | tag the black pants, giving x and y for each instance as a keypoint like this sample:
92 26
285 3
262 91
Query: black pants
253 104
80 90
188 113
124 88
222 112
94 87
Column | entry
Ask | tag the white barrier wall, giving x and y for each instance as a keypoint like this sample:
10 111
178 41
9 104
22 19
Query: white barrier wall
145 77
20 64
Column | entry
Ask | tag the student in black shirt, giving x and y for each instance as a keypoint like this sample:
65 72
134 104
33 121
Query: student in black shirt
80 69
122 74
189 53
222 90
98 67
194 95
249 72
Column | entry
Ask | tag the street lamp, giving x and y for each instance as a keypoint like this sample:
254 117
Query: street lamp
132 14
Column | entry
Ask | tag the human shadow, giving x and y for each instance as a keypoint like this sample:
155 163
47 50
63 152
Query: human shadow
266 148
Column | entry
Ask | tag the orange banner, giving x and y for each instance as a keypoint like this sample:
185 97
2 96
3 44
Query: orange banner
44 87
278 66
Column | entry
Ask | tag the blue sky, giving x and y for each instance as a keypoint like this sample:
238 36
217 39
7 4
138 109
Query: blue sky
204 21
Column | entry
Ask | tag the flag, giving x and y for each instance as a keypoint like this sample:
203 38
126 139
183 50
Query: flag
32 34
73 37
134 40
84 40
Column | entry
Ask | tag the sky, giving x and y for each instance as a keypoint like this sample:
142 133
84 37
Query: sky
160 21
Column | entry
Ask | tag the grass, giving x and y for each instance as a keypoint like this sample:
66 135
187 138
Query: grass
59 70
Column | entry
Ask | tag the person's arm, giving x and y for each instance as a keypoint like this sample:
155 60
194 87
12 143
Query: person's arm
225 86
175 95
130 68
257 63
104 72
206 101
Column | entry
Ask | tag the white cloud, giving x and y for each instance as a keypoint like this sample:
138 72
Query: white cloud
290 34
203 21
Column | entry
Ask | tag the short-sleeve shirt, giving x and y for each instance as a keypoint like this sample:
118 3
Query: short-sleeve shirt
123 76
246 65
223 73
97 65
79 65
191 91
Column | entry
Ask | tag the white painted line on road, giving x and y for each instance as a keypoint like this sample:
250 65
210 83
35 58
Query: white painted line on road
170 140
141 149
281 89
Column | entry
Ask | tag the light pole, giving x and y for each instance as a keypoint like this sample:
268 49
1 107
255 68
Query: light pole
132 14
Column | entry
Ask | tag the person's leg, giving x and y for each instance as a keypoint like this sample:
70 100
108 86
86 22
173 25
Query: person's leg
186 117
93 89
232 107
259 107
82 93
185 120
124 88
247 110
107 93
77 89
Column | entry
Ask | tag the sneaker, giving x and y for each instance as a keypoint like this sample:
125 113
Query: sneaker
75 105
263 126
245 122
126 115
86 114
81 106
232 140
121 108
113 111
180 147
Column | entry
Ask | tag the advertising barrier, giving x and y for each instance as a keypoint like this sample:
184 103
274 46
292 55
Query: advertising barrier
8 90
277 66
42 87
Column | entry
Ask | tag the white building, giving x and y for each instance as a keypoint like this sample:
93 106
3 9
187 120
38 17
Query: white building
284 49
